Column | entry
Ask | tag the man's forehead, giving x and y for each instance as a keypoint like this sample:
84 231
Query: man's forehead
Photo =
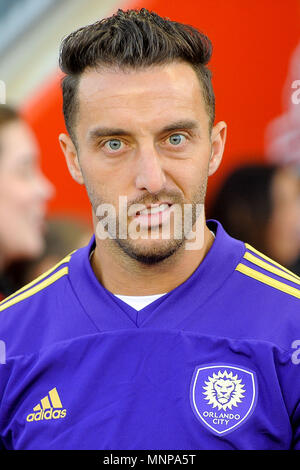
176 80
136 99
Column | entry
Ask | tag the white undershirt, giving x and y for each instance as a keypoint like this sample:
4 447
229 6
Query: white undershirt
138 302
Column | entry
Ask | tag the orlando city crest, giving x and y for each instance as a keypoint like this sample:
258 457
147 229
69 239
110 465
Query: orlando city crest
223 396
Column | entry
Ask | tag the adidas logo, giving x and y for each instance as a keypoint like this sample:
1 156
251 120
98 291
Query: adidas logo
50 408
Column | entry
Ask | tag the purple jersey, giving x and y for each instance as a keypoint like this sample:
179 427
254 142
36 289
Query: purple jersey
210 365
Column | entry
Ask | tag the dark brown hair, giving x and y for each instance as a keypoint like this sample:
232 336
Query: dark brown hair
7 115
132 39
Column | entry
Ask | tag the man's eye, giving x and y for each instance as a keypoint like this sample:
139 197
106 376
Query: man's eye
113 144
176 139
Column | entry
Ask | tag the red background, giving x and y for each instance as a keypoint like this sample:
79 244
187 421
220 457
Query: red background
252 41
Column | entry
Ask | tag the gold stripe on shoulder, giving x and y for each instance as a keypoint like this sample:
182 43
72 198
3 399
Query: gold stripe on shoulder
268 267
268 280
271 261
38 279
36 288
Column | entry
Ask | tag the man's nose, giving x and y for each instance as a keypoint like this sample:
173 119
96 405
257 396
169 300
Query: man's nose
149 171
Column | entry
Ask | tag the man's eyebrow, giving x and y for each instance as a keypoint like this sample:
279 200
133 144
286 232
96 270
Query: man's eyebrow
191 125
94 134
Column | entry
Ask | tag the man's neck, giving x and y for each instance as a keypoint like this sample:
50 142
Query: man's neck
125 276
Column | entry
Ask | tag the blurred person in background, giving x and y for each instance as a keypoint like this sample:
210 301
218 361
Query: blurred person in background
261 205
24 192
63 235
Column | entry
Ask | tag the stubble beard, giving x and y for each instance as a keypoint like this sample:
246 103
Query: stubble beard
160 249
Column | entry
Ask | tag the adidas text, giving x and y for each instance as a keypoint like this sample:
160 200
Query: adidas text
46 414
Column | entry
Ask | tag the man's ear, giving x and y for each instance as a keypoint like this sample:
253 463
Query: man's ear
71 157
218 138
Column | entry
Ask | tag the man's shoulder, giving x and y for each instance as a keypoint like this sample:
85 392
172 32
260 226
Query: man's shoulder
263 297
263 276
250 273
40 312
40 289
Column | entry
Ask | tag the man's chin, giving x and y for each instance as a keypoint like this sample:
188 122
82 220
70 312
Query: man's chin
150 252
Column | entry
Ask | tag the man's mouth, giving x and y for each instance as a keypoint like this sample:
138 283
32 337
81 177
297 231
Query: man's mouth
154 209
153 214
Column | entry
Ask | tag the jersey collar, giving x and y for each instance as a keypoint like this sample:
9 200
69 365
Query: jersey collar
109 313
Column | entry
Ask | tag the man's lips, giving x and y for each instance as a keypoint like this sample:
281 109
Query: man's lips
153 214
152 209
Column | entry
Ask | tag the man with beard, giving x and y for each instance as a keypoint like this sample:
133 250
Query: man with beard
164 332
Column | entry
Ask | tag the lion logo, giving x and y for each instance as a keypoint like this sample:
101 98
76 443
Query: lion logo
224 390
